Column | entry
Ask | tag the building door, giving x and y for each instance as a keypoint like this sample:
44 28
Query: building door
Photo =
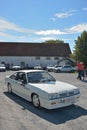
22 64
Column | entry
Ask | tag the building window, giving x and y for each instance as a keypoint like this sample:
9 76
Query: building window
56 58
37 58
48 58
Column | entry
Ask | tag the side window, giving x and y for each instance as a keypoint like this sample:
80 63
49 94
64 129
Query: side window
22 77
13 76
24 80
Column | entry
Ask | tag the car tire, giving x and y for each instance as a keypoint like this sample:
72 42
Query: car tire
72 71
58 71
9 88
35 100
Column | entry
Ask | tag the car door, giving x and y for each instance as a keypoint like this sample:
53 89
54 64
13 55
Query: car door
63 69
66 68
14 82
69 68
23 87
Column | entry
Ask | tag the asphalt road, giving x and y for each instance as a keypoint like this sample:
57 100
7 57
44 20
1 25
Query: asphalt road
18 114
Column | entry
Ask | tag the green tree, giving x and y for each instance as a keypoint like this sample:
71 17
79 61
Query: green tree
54 41
80 52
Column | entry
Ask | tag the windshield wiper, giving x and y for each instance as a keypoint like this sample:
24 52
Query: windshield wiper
34 81
46 80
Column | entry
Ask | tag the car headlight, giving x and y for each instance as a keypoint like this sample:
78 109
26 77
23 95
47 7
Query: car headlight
76 91
53 96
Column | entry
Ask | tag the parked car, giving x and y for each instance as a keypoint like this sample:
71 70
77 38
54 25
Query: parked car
42 89
16 67
2 68
65 68
55 69
50 67
38 67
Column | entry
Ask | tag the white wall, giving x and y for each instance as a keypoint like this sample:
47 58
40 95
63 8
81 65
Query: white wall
31 61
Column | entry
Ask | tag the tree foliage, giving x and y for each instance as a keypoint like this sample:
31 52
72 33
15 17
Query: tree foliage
80 52
54 41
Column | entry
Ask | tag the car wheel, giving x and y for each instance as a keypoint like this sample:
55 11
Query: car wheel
58 71
9 88
35 100
72 71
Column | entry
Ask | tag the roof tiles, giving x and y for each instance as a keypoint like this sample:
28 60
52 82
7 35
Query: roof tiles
34 49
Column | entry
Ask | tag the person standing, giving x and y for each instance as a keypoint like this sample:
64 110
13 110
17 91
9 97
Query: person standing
80 68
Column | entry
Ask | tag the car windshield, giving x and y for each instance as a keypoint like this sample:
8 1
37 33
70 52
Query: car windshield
40 76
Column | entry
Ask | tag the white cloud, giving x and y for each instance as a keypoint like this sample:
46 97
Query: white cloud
85 9
65 14
2 40
6 25
49 32
22 34
45 38
62 15
77 29
4 34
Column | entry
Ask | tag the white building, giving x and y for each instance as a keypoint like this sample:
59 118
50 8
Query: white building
31 54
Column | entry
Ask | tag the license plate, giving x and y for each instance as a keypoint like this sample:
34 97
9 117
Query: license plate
67 100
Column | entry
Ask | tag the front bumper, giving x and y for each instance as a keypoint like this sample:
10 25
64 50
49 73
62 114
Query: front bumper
2 70
58 103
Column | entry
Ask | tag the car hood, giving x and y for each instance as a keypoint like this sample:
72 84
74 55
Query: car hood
53 87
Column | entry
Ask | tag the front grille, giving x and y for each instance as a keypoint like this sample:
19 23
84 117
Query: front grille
71 93
66 94
62 95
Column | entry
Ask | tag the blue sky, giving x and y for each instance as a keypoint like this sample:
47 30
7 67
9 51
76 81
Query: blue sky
41 20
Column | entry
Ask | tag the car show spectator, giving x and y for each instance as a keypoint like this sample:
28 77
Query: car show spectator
81 70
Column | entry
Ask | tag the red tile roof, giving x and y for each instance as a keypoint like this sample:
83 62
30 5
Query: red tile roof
34 49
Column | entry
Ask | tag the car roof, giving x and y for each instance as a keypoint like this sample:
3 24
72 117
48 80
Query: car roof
32 70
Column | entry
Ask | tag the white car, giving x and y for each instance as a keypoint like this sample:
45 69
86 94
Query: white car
16 67
65 68
41 88
50 68
56 68
38 67
2 68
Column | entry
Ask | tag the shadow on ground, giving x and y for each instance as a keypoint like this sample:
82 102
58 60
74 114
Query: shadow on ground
56 116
